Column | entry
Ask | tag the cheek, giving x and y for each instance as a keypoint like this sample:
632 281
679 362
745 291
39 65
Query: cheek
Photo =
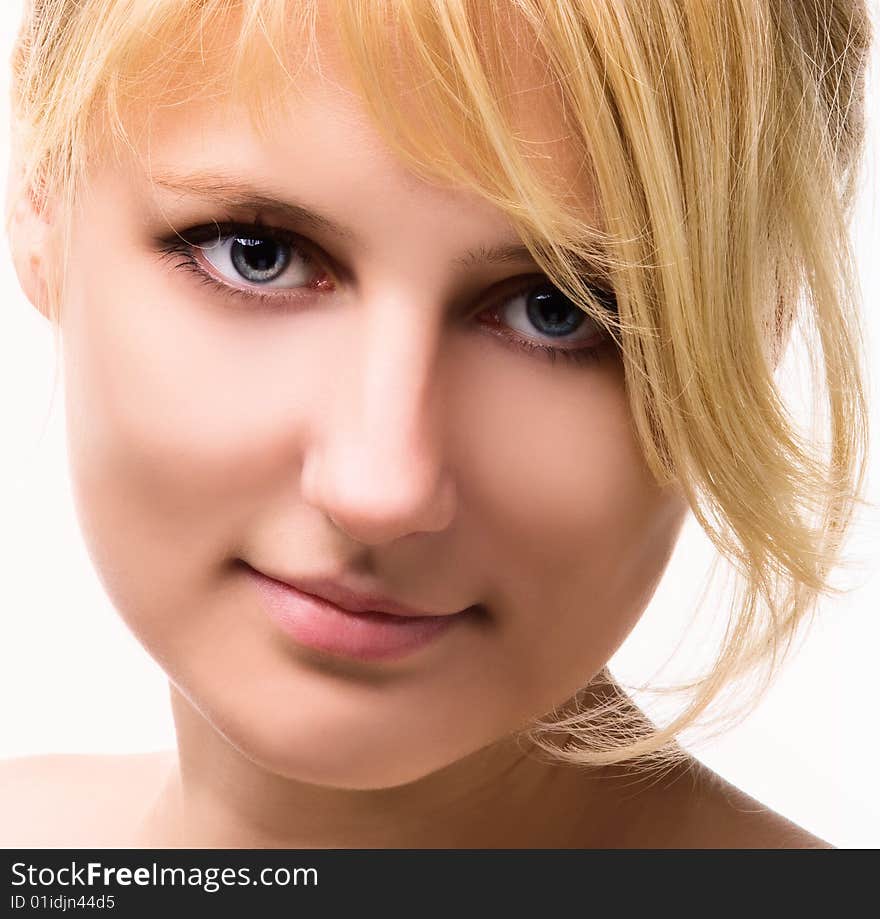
580 532
168 439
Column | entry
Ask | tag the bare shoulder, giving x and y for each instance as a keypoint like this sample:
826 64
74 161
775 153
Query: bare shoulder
695 808
68 800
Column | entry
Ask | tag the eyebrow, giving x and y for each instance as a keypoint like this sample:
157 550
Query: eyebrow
227 190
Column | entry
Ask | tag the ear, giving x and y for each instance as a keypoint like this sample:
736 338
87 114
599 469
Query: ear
31 237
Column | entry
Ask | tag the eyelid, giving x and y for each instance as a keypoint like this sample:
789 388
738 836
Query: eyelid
524 283
219 230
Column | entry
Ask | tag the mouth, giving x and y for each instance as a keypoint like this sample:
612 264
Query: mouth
345 596
365 634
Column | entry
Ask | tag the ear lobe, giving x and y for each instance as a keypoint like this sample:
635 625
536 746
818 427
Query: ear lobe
30 241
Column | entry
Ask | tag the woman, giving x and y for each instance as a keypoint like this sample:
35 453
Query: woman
399 341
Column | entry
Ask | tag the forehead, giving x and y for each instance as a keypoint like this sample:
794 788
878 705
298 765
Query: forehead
311 94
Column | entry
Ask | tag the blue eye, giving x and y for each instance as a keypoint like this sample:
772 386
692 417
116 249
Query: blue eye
274 260
549 308
267 257
544 309
257 260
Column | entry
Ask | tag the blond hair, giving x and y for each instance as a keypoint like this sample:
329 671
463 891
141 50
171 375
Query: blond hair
722 143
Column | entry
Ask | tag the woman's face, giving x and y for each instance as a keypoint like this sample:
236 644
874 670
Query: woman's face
376 421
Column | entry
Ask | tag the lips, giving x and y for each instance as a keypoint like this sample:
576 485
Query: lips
347 598
366 633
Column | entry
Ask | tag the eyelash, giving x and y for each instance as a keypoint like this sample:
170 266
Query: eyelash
183 245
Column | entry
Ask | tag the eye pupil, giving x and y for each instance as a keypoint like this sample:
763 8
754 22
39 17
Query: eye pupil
552 312
259 259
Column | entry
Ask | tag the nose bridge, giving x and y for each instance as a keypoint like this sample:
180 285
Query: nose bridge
378 467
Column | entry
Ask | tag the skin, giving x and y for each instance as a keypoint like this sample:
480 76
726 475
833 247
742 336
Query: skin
370 427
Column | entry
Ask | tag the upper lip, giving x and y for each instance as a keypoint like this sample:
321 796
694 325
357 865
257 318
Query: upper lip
347 598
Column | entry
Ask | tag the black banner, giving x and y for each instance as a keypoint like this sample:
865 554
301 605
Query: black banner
412 882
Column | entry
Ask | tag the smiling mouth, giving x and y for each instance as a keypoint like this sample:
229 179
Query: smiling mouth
345 597
366 635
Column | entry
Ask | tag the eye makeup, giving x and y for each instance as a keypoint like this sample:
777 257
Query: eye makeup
186 250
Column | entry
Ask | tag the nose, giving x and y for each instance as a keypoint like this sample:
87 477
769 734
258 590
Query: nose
375 463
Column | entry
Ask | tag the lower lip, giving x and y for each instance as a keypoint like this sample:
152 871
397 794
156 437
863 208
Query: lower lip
323 626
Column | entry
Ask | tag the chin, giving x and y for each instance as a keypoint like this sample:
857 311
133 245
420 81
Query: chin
335 755
374 767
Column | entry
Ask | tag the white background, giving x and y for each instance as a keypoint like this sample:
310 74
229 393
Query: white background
72 679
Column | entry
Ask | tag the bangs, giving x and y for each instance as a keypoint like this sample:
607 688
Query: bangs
466 94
